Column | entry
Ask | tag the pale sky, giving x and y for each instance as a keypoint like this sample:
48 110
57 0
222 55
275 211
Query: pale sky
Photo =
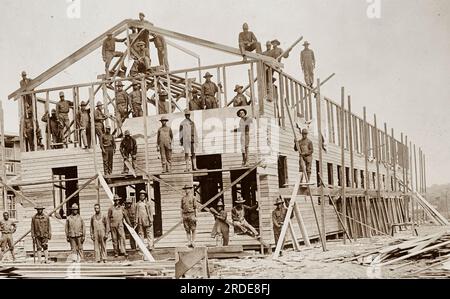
398 66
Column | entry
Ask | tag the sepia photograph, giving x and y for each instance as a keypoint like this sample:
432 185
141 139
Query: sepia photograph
205 141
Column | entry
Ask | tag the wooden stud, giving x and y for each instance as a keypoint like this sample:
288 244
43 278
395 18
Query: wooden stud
225 93
366 176
319 133
343 180
281 83
93 138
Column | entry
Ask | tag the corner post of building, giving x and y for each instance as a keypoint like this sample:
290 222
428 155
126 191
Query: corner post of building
366 171
343 179
321 188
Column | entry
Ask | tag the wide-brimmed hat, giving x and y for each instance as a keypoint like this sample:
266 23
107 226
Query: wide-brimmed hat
239 111
117 197
240 200
279 200
306 43
276 42
237 87
220 204
61 94
74 207
187 112
140 43
24 73
164 118
135 83
127 133
39 207
207 75
188 186
119 83
305 131
142 192
129 200
83 103
99 104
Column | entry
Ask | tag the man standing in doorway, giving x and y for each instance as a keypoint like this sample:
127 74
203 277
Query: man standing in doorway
130 213
144 219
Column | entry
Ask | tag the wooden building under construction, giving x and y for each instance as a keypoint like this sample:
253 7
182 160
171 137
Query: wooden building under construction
374 179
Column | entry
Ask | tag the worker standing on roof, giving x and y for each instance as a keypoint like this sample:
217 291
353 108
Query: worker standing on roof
209 91
136 100
161 46
122 102
27 99
248 41
128 148
75 232
240 99
41 232
56 128
189 141
84 125
62 111
277 52
308 63
8 228
108 146
99 234
144 219
109 50
305 152
99 118
164 144
189 214
278 217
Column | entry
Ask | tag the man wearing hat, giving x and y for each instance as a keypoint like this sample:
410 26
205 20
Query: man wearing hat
128 147
221 227
116 216
240 99
130 212
99 234
7 228
136 100
109 50
272 92
195 102
122 102
248 41
245 125
189 214
163 104
189 141
238 214
142 59
56 128
268 48
108 146
278 217
305 152
209 91
41 232
161 46
308 63
84 125
164 144
62 111
27 99
75 231
99 118
144 219
276 52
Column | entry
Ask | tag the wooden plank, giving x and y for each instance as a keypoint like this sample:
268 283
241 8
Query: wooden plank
343 179
319 129
366 176
73 58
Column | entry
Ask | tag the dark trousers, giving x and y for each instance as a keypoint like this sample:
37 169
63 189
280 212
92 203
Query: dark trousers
108 160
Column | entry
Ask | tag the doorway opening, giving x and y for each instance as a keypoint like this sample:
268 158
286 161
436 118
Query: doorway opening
65 184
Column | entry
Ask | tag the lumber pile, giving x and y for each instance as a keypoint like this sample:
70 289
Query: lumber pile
431 248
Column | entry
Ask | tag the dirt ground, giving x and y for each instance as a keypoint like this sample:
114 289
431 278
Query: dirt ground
313 263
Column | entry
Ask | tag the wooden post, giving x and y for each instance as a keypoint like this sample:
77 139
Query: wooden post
281 83
366 177
3 153
145 118
319 134
424 175
388 160
343 180
403 163
262 89
34 120
155 83
225 93
169 89
394 158
252 89
47 110
93 137
412 182
377 155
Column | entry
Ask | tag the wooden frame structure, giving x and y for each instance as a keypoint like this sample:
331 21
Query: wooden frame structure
357 155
